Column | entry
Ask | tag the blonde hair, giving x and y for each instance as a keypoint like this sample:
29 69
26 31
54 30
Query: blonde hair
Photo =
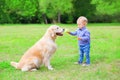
82 18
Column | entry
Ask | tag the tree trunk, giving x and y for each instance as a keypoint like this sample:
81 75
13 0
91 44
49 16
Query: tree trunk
59 17
54 21
37 11
46 22
45 19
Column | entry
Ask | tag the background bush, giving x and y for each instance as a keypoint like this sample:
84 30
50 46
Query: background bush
58 11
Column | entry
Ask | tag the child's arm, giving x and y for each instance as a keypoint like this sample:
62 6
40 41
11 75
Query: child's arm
73 33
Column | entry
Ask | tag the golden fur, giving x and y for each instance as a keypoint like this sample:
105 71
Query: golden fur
41 52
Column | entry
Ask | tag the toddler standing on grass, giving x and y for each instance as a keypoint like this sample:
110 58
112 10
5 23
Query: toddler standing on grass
83 36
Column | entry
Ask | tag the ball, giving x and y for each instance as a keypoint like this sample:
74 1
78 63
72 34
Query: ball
66 30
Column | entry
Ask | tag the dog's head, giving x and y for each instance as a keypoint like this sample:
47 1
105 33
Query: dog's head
55 30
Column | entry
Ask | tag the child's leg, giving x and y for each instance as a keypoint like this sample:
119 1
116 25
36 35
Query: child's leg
81 52
87 53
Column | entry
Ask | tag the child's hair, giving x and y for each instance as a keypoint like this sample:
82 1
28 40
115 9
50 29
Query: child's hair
83 18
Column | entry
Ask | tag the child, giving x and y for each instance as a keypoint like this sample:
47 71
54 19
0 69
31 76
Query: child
83 36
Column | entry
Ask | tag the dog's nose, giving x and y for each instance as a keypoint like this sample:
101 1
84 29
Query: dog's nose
63 29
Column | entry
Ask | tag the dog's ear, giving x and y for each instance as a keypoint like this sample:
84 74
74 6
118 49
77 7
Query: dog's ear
51 32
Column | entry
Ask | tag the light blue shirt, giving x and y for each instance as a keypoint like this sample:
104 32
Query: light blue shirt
84 34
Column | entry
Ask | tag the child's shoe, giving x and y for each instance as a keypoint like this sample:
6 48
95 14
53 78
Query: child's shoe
77 62
85 64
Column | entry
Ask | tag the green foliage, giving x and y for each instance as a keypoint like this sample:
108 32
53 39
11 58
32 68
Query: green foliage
58 11
55 8
110 7
21 7
83 8
4 17
107 10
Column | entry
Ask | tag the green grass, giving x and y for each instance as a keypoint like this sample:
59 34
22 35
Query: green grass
105 53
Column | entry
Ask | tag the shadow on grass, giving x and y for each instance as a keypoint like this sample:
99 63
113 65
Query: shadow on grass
6 65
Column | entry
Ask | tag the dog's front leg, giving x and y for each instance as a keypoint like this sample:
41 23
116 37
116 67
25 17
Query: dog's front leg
47 64
50 67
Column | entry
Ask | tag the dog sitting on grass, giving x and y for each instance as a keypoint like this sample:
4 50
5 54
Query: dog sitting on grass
41 52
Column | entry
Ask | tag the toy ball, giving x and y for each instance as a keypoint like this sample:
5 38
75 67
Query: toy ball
66 30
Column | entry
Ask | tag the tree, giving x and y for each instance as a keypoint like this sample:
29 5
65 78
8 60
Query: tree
4 17
54 8
61 7
107 6
19 9
107 10
83 8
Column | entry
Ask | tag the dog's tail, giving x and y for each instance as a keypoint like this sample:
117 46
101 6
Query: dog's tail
14 64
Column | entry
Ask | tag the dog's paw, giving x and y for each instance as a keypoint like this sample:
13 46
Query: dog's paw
50 68
33 70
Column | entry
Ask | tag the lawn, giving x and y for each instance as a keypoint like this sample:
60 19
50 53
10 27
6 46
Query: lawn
105 53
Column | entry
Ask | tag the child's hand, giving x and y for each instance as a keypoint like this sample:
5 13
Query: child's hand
79 38
67 31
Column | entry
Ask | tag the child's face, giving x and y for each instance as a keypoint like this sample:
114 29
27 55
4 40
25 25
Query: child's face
81 24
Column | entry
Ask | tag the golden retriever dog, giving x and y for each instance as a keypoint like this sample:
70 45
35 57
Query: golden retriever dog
41 52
